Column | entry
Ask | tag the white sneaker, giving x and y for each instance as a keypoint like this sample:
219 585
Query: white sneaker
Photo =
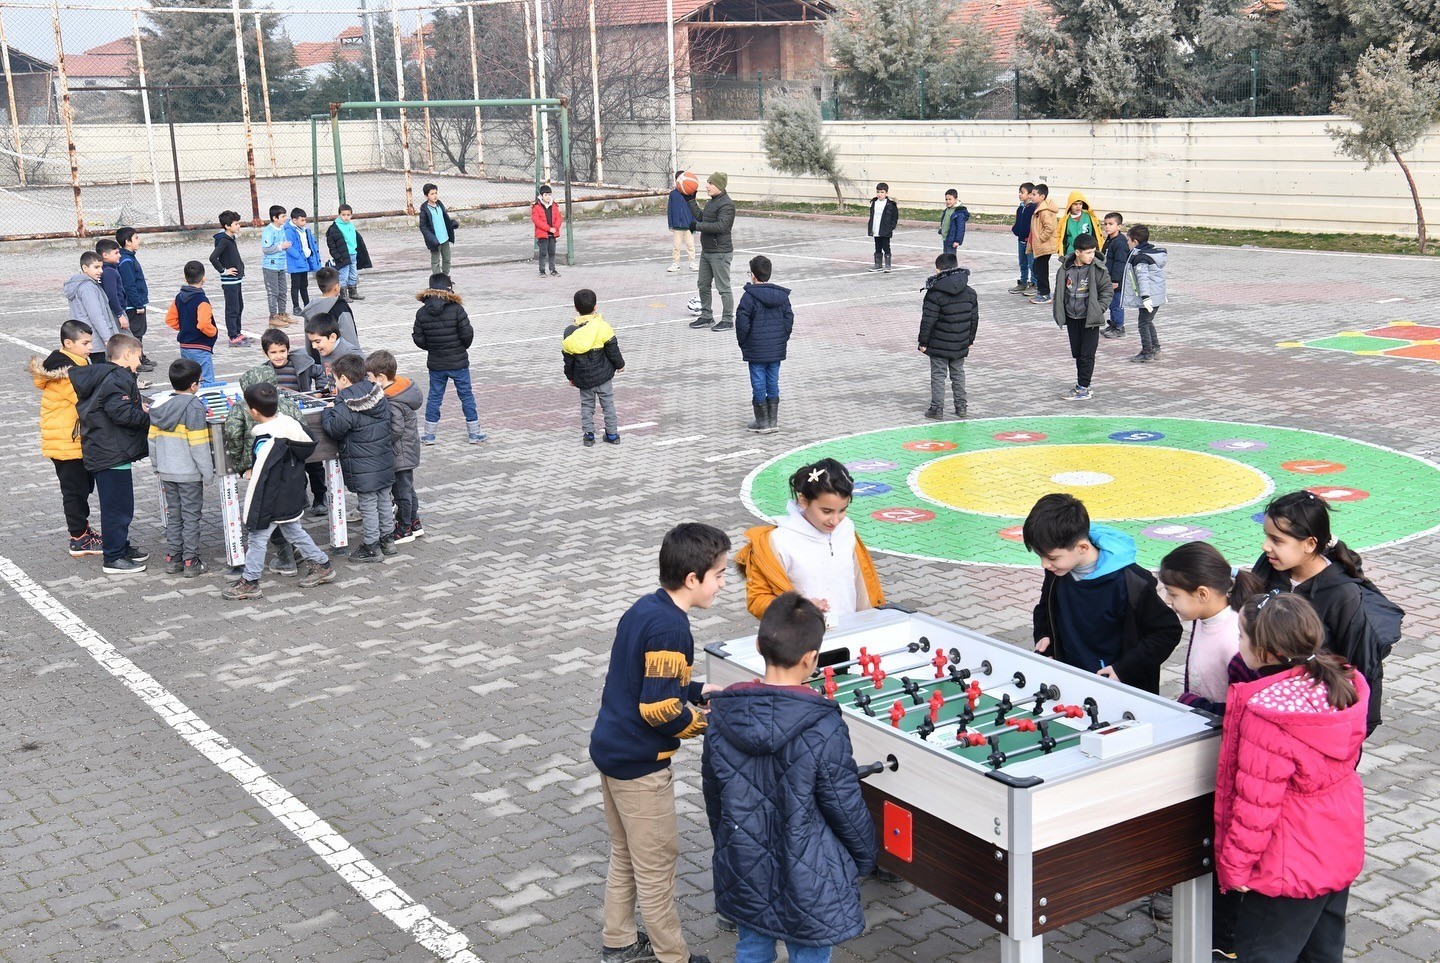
673 269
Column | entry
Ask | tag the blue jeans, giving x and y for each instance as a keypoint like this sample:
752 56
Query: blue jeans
1117 312
116 488
206 361
348 277
753 947
1027 264
461 377
764 381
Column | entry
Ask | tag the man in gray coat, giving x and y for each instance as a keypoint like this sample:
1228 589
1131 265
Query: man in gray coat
714 222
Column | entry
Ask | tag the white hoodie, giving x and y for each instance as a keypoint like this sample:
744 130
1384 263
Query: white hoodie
281 426
820 566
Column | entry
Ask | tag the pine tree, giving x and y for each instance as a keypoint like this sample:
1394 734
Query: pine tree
795 143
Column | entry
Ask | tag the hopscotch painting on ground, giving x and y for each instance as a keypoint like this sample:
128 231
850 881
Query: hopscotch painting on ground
959 491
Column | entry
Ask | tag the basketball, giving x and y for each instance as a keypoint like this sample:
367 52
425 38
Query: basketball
689 183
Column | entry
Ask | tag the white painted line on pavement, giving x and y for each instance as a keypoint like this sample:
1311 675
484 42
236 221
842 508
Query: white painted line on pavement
364 877
24 344
734 454
1390 300
677 441
638 424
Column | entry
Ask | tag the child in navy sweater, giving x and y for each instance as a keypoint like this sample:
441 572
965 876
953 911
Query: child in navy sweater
1117 252
645 712
682 226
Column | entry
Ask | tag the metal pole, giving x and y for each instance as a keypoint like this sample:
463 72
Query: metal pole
145 108
369 29
670 66
67 113
174 156
1017 93
1254 81
14 117
400 91
540 71
424 88
921 72
315 165
539 169
565 163
340 160
530 63
760 92
265 95
475 92
245 111
594 108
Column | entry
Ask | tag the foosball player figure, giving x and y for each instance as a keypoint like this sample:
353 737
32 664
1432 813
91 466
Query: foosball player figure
648 706
1098 610
791 874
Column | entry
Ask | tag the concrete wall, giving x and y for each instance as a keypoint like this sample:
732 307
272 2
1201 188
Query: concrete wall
1279 173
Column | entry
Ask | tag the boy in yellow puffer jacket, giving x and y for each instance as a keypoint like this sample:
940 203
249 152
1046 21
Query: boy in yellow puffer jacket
592 360
60 433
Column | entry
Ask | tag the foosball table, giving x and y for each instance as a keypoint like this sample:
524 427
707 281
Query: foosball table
219 399
1023 791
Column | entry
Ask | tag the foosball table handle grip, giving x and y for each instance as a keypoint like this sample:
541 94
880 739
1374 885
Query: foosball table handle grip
875 768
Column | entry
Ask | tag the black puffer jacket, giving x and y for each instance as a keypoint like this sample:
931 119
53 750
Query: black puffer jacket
359 421
114 429
714 222
442 330
949 315
792 832
763 322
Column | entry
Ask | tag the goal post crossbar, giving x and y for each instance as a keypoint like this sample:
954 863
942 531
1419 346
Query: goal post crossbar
558 105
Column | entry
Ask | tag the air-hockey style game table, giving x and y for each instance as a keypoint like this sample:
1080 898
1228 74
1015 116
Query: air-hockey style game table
1025 792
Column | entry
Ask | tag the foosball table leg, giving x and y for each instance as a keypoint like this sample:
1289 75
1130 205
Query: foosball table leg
230 520
335 485
1190 933
1028 950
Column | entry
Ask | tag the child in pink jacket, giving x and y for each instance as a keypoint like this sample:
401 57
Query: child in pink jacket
1289 807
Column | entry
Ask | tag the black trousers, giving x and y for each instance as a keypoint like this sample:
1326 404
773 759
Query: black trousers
882 245
76 484
234 307
138 322
1083 344
299 291
1042 275
1278 929
315 471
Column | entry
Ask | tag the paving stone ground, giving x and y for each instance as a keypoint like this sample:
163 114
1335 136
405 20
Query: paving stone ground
435 709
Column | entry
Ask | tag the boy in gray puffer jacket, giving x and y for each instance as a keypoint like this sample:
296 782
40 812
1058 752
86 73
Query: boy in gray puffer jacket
1144 287
405 401
180 451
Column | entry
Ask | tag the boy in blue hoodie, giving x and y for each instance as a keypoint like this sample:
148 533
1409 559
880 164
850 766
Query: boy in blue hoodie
682 226
763 322
273 249
301 258
1024 214
792 833
1098 610
135 292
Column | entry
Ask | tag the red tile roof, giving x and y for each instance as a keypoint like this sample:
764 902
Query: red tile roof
312 53
617 13
999 20
86 66
122 47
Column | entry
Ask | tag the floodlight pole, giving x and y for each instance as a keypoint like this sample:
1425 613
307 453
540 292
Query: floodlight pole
670 63
540 69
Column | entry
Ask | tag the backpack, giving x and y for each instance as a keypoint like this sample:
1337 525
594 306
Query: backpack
1383 616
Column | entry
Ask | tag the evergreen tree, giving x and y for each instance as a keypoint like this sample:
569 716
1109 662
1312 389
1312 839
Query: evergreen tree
795 143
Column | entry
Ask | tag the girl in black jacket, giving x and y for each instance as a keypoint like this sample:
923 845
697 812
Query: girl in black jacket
1302 556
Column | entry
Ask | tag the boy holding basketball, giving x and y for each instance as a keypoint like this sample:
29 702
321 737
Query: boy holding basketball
681 221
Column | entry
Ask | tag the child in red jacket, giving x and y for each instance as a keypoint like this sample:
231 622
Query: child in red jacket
546 216
1289 806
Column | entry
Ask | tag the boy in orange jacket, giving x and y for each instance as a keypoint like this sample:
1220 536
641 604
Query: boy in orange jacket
60 435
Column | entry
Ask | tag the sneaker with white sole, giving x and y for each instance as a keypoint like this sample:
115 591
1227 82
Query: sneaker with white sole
1077 393
88 543
123 566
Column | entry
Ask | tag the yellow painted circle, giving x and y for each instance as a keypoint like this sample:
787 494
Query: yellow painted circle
1125 481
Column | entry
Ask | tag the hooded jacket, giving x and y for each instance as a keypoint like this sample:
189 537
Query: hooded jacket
59 421
359 421
953 222
1144 276
239 427
949 315
591 352
714 222
1024 216
114 288
1089 223
763 322
340 251
277 486
226 254
1339 602
792 832
405 400
192 317
180 440
442 330
339 309
547 221
1116 252
1097 299
889 217
295 260
113 425
427 225
1041 241
1289 805
89 304
132 280
1149 630
761 563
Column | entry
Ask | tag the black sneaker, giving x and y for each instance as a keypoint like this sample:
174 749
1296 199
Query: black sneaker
387 546
319 510
885 876
146 364
722 326
1112 332
241 590
1142 358
417 529
588 441
123 566
87 544
934 414
612 439
281 565
136 554
404 534
174 565
962 412
638 952
554 273
366 553
195 567
701 323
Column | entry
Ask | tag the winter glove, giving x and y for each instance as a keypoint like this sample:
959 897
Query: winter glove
1147 304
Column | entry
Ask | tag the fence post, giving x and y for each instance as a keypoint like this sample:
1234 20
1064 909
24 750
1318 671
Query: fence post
174 156
67 113
265 94
475 92
530 63
245 112
594 104
374 82
540 70
14 118
1254 81
424 88
921 72
670 70
1017 93
760 92
144 106
399 95
340 158
565 166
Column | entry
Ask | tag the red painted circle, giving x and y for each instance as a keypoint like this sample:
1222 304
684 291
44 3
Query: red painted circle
1015 533
929 445
1020 436
903 516
1337 493
1311 467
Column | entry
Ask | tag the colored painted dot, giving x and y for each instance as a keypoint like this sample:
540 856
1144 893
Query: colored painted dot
1258 518
1020 436
1310 467
903 516
1238 444
1177 533
871 465
1136 435
1340 494
1081 479
929 445
1015 533
867 489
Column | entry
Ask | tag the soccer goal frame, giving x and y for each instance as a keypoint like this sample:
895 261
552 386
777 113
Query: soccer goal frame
542 106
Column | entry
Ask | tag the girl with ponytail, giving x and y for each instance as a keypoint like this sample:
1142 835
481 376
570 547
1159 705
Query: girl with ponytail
1289 806
1202 588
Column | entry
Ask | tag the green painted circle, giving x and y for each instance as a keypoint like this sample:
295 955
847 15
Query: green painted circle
1379 497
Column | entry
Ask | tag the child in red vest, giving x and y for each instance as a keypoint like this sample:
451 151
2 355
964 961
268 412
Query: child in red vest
1289 806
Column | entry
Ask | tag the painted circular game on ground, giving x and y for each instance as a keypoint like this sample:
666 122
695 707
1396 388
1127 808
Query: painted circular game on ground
958 491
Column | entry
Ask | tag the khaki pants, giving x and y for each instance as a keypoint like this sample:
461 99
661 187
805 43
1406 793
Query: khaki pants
685 240
644 845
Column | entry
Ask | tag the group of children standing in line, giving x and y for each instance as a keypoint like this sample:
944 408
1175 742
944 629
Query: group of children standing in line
1290 654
